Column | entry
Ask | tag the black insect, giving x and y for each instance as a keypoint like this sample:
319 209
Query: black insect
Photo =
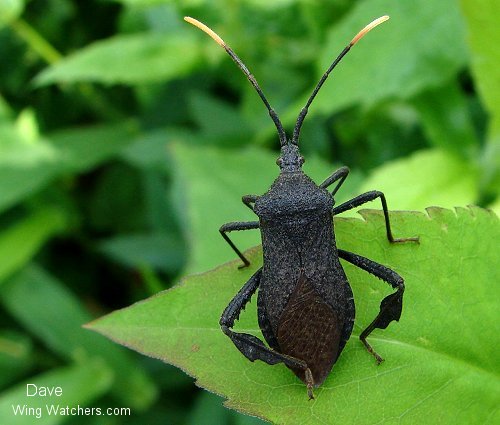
305 304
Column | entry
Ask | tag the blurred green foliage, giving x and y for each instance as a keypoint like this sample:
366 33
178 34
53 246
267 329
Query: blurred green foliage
101 102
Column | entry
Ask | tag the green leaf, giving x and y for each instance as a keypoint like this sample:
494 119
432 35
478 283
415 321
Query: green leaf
495 206
80 385
207 411
5 111
149 150
420 47
16 356
441 362
29 162
82 149
23 239
431 177
484 37
257 3
206 177
10 10
25 165
218 121
158 250
445 117
142 3
57 322
271 5
127 59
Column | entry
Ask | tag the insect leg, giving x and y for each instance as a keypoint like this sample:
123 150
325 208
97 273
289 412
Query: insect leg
248 200
237 225
367 197
340 174
250 346
390 307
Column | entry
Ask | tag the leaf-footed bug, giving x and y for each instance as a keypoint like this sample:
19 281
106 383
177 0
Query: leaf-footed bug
305 304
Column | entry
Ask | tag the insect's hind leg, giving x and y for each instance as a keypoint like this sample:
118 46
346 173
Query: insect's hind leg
390 307
250 346
367 197
237 225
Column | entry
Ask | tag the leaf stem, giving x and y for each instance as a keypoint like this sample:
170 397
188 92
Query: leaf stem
51 56
35 41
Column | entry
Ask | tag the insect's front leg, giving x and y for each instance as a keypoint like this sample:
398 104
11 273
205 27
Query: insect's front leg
248 200
238 225
367 197
390 307
340 174
250 346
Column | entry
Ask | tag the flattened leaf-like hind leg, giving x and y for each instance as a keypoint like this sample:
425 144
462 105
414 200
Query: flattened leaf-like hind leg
367 197
390 307
250 346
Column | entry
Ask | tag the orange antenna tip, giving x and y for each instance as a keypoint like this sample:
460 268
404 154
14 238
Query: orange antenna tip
206 30
367 29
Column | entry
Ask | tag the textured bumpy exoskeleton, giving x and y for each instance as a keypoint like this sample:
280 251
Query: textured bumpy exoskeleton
305 304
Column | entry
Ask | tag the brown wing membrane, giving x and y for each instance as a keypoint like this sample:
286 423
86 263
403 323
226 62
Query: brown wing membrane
310 330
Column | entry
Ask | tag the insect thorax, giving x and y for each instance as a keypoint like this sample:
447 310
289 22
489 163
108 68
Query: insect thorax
293 196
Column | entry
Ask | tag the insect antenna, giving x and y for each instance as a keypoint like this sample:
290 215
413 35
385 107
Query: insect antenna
241 65
357 37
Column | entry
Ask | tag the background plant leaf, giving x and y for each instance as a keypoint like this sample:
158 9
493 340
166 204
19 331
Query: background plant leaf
21 296
403 58
441 360
10 10
426 178
16 356
483 36
25 165
446 119
158 250
24 237
81 383
78 155
132 59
